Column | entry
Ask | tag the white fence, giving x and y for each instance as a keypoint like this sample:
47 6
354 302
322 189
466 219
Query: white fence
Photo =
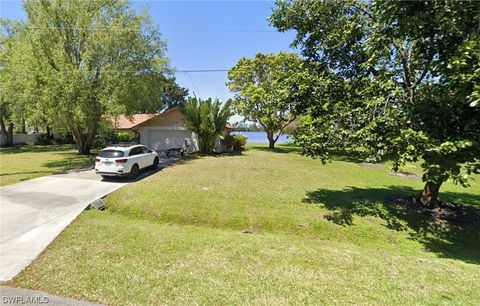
20 138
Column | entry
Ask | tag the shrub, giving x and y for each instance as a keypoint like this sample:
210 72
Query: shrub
105 136
43 139
237 142
124 137
66 138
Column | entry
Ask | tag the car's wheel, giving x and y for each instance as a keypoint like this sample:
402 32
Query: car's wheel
155 163
105 177
134 171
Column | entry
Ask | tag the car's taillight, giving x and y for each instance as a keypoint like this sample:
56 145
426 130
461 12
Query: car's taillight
97 160
121 161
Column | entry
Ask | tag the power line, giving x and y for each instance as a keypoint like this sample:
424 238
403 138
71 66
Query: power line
140 70
194 86
116 28
224 31
201 70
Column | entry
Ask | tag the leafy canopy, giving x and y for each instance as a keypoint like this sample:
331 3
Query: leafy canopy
399 78
85 60
266 88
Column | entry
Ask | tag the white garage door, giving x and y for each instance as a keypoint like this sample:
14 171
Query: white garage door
164 140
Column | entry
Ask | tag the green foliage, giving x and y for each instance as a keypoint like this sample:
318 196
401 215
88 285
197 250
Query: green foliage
237 142
169 231
43 139
266 88
64 138
170 95
73 62
396 78
107 135
13 101
124 137
248 127
207 118
23 162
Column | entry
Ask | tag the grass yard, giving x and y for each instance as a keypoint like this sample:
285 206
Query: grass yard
24 162
264 227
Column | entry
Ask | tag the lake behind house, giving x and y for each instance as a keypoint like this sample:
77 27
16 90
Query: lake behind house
261 137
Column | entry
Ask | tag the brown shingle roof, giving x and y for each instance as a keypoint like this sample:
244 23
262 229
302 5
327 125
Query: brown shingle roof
122 122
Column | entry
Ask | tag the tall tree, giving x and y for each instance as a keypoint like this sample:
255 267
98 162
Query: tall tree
13 101
266 87
399 78
206 118
170 95
90 59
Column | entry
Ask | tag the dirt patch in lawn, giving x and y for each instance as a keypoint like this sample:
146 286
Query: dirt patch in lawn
405 174
443 212
371 165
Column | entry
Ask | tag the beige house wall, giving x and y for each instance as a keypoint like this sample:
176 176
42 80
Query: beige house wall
172 118
169 131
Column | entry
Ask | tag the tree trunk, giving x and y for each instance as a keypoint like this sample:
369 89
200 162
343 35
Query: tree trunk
49 135
10 134
24 128
83 145
84 141
429 195
7 134
271 140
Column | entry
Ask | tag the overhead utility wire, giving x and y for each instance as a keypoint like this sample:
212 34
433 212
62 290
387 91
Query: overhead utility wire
194 86
140 70
115 28
201 70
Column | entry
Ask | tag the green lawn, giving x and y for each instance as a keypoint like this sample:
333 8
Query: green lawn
24 162
263 228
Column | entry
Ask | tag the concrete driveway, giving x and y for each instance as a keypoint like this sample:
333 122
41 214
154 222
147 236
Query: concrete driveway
34 212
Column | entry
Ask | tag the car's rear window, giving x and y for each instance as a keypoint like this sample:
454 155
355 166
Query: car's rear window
111 153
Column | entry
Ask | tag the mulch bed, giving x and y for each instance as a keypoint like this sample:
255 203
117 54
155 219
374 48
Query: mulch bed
443 211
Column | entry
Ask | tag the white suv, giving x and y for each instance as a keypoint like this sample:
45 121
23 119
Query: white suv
125 160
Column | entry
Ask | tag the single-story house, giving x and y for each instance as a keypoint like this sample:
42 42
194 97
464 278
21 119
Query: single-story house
161 131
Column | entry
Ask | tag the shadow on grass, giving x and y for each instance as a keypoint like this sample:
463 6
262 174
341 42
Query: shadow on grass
71 161
279 148
291 147
461 241
195 156
349 156
229 154
65 159
36 149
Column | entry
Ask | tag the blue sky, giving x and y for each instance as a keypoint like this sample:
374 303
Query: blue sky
205 35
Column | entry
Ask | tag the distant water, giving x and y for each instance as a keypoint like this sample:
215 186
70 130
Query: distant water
261 137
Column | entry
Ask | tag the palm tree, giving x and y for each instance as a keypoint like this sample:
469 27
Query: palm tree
206 118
